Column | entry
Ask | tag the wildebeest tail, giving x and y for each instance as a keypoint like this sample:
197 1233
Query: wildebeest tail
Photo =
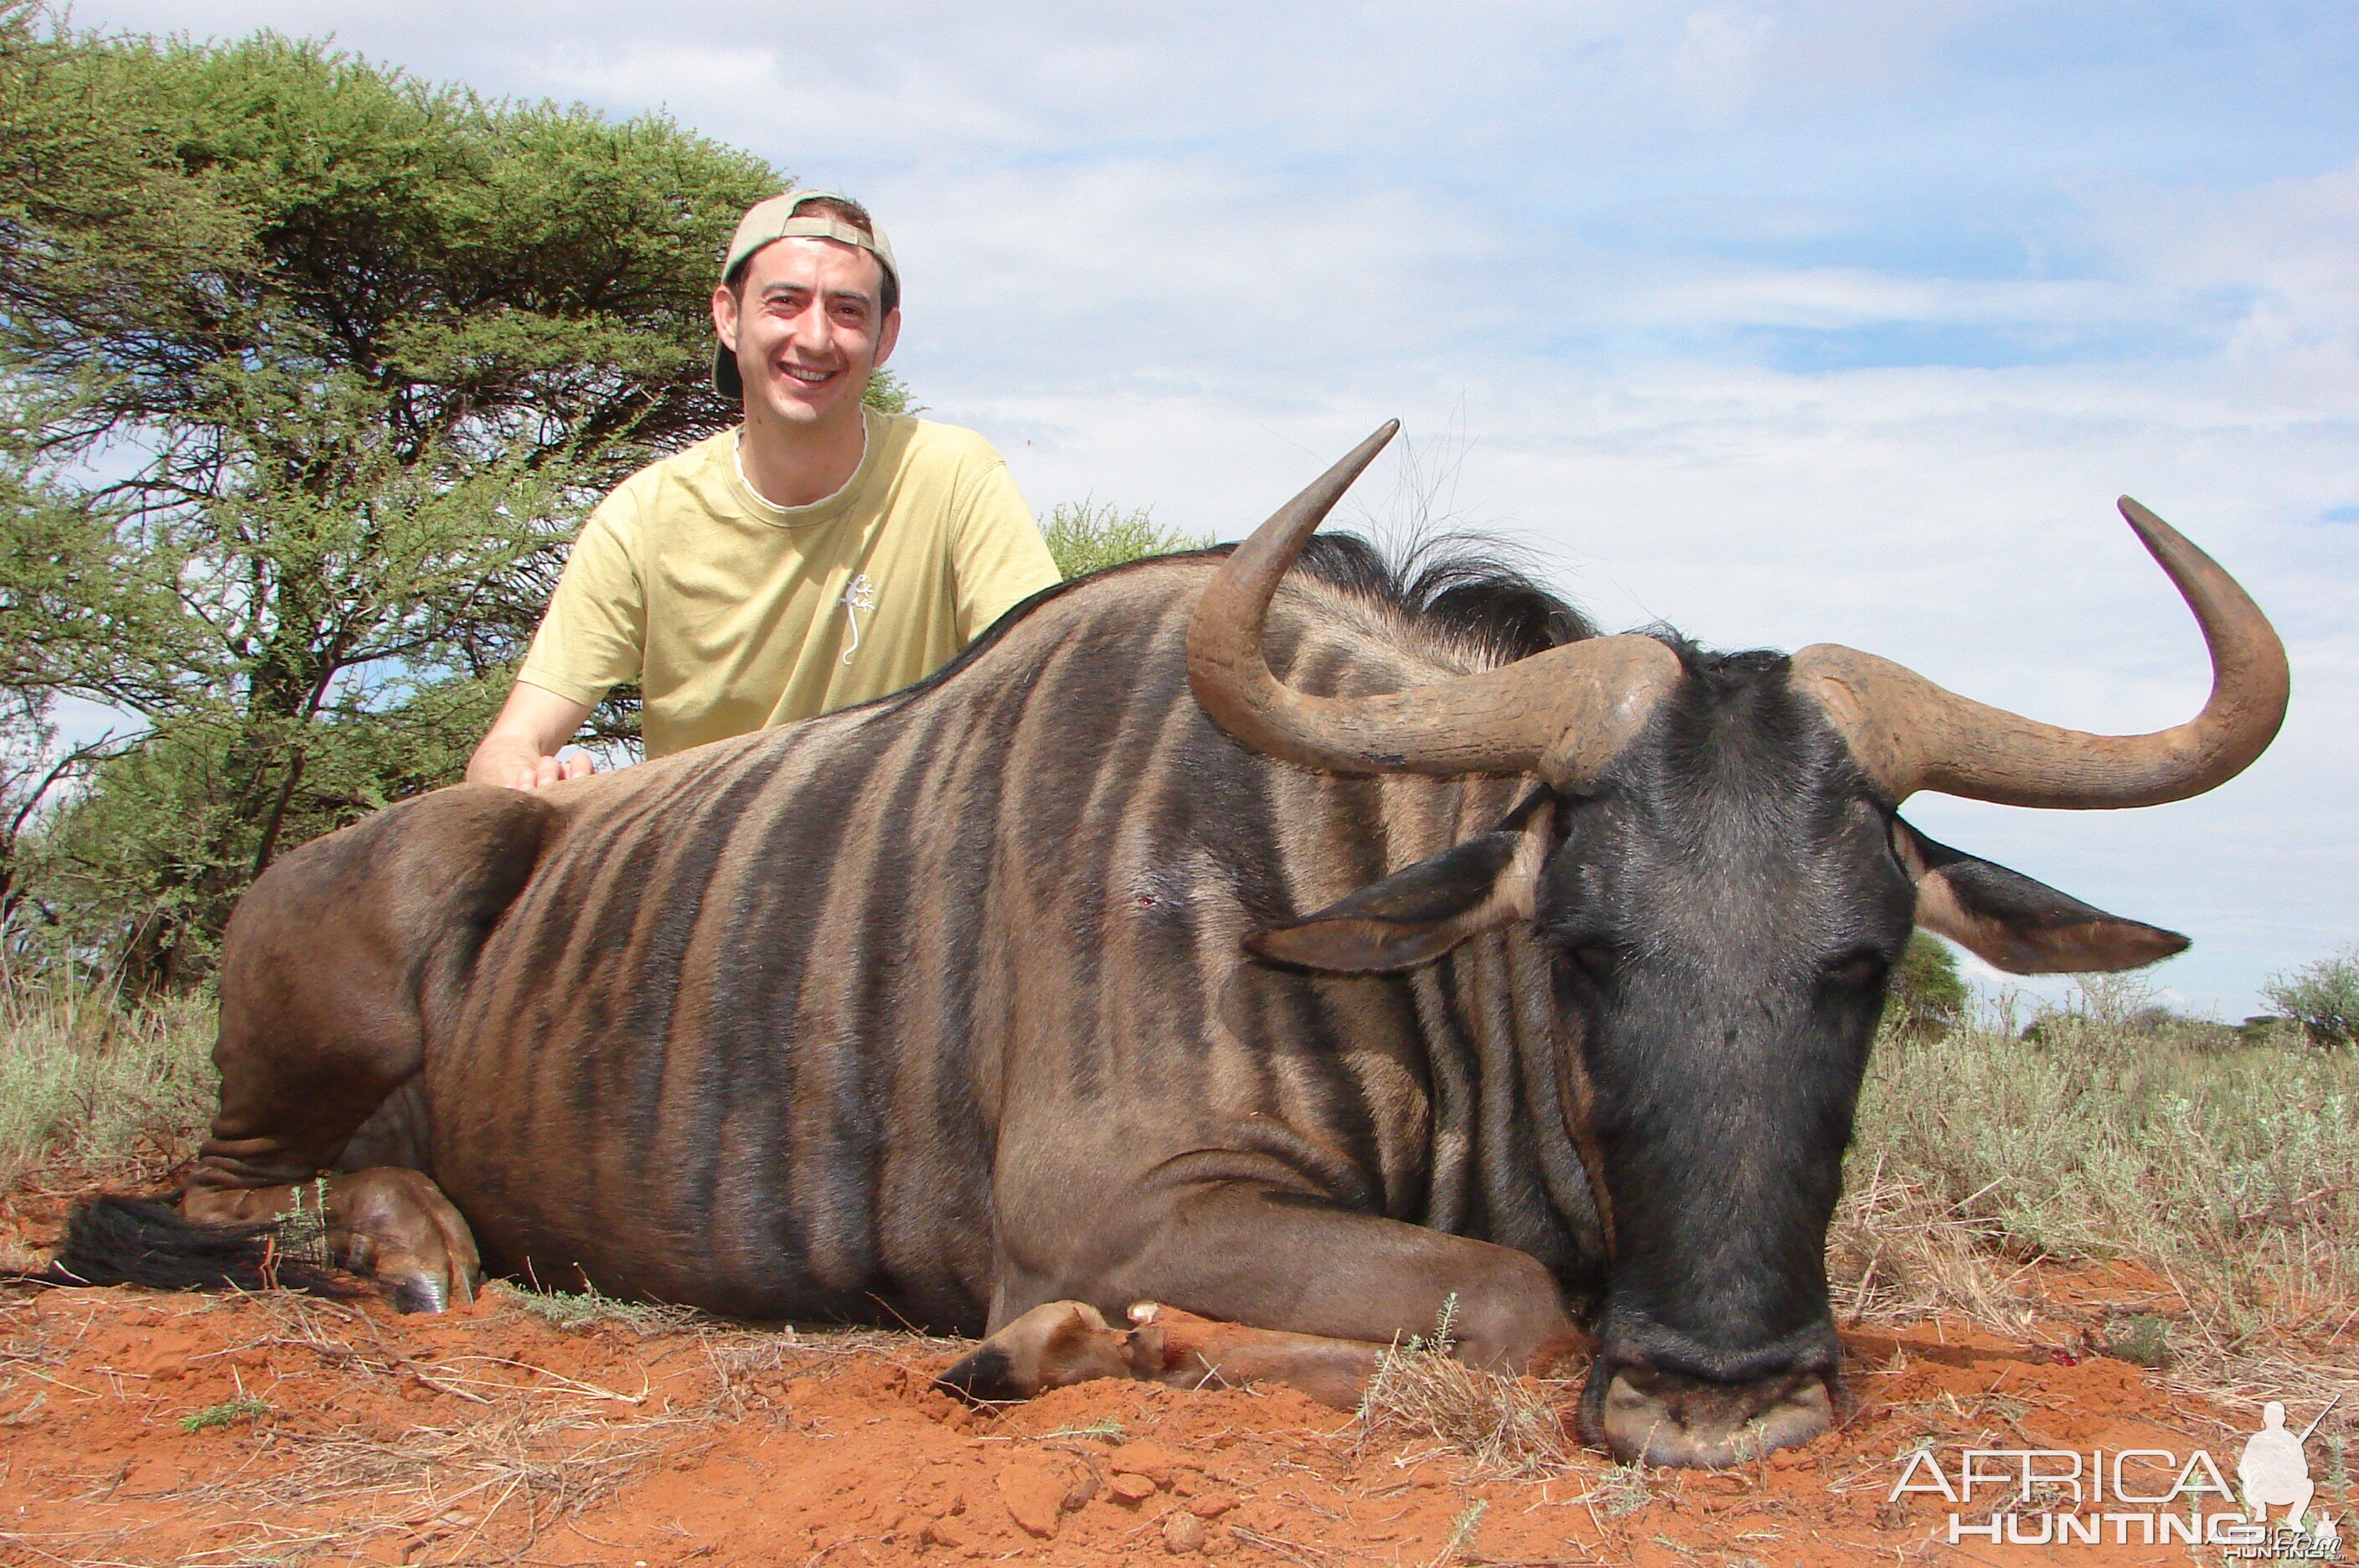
144 1241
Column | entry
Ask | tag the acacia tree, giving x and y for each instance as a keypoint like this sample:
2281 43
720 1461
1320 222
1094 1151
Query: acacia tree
309 370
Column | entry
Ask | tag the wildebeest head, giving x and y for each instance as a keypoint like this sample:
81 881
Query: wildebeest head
1713 859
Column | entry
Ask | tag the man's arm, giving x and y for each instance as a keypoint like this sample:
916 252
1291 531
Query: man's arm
519 751
589 640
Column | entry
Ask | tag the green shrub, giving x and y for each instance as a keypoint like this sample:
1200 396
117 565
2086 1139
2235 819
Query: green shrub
1085 537
246 1407
589 1307
2322 996
1926 991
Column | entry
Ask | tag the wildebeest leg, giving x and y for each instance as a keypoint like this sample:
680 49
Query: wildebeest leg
1336 1287
332 969
1062 1343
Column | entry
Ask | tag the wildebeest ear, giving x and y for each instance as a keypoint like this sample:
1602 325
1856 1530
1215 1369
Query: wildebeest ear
2019 925
1422 911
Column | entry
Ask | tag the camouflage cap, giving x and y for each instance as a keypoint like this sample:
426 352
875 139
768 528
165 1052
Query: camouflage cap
776 218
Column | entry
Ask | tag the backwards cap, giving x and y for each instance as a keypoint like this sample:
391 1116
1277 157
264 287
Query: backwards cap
776 218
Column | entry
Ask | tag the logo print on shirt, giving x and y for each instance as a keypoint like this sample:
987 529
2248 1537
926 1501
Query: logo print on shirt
859 596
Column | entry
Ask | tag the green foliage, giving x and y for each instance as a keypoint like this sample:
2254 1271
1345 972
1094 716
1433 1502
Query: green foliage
1925 992
308 371
2322 996
2139 1338
246 1407
587 1309
888 394
1084 536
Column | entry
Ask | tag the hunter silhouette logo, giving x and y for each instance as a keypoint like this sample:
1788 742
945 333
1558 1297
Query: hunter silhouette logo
2275 1471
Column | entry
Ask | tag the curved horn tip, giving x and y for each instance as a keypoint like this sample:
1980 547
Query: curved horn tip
2139 515
1350 465
1379 439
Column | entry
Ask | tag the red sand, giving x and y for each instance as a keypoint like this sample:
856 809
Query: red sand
489 1436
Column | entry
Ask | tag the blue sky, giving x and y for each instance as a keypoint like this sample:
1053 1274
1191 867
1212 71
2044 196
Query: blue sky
1781 322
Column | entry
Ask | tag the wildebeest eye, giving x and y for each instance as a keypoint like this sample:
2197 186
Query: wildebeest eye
1857 969
1595 959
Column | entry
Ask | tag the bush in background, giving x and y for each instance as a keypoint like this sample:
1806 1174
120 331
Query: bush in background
1085 537
1925 993
2322 996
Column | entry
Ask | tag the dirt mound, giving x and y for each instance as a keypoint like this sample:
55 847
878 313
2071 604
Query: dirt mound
145 1428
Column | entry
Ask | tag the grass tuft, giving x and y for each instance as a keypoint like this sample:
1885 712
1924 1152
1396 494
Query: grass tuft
588 1308
1422 1393
1461 1530
1619 1491
2141 1339
246 1407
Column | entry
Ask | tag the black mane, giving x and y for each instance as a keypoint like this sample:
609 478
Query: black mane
1460 585
1716 670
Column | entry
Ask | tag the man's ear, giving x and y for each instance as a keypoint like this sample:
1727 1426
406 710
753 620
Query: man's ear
725 316
2016 924
1422 911
888 334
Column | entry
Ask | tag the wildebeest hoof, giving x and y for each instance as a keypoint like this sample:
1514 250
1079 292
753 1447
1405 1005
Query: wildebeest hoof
1054 1345
394 1223
1662 1418
388 1222
418 1293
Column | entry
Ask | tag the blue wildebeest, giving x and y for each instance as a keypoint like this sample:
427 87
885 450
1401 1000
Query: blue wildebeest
1295 952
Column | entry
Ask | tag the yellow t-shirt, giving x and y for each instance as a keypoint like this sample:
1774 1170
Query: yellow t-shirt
734 614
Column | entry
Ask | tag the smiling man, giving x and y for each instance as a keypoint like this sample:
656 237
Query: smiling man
819 555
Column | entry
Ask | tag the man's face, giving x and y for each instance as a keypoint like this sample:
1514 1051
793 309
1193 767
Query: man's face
808 330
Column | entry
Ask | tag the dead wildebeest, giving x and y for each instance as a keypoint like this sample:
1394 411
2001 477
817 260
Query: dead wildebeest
1469 955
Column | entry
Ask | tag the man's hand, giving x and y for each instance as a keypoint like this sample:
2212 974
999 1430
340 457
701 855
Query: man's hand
520 767
519 752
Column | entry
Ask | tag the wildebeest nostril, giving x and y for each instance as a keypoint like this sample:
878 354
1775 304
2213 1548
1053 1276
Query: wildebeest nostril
1663 1418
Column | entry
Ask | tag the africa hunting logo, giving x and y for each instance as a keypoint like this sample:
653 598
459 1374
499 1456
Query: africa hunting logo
2149 1497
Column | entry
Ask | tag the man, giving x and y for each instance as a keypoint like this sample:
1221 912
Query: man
819 555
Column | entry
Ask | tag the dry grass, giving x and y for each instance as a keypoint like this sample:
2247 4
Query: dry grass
99 1089
1618 1491
2228 1174
1507 1428
530 1452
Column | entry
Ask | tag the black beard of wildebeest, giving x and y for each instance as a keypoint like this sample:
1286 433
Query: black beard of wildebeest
1030 994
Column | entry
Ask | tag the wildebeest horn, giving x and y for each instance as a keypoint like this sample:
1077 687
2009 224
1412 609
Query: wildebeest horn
1910 735
1563 714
